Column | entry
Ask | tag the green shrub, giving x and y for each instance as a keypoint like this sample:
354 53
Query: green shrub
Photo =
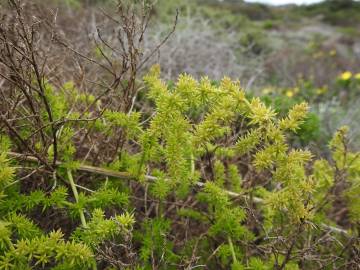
207 144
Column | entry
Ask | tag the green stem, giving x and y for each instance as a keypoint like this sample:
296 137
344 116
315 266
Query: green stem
232 250
192 160
142 161
76 195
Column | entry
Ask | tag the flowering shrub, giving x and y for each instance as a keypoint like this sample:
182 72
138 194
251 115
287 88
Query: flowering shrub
347 77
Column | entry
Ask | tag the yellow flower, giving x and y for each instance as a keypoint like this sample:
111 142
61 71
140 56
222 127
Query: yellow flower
332 52
357 76
289 93
345 76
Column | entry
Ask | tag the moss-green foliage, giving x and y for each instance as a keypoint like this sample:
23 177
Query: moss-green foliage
100 229
218 178
155 244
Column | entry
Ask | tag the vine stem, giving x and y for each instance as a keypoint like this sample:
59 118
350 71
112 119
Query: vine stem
76 195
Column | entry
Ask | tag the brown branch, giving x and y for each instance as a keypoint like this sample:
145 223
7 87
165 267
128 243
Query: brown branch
83 168
162 42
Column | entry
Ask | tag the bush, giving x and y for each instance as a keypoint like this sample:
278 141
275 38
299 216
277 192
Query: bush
144 174
208 145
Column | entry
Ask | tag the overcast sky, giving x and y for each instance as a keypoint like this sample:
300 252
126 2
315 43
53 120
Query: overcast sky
283 2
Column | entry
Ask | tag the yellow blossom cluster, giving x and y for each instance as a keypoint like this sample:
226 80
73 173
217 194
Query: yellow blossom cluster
348 75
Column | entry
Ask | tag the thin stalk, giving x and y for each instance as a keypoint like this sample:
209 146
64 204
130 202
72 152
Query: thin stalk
192 164
232 250
76 195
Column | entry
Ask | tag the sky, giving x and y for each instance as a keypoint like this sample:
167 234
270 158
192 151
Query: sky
283 2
